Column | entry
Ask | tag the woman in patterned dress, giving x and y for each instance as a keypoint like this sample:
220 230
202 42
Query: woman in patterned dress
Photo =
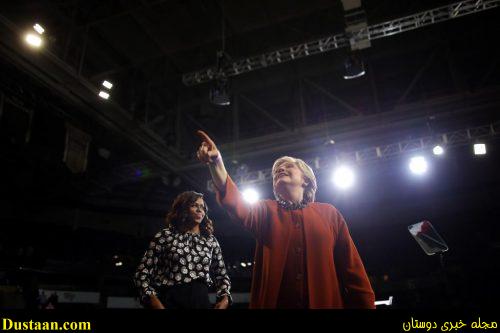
183 260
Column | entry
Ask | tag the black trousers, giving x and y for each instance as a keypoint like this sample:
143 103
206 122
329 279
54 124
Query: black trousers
193 295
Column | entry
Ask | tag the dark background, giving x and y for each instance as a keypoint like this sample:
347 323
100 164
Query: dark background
64 229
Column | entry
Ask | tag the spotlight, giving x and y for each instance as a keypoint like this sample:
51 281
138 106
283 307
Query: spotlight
418 165
119 263
354 67
243 264
479 149
249 264
343 177
218 93
33 40
438 150
103 94
250 195
38 28
107 84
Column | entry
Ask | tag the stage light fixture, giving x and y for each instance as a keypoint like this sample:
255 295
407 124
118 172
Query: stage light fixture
251 195
343 177
107 84
33 40
438 150
38 28
479 149
418 165
103 94
219 92
353 67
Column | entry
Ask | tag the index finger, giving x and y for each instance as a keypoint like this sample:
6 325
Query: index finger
205 137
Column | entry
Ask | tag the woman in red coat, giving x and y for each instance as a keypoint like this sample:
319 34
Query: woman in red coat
304 257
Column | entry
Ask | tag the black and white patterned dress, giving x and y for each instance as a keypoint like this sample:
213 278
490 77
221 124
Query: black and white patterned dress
175 258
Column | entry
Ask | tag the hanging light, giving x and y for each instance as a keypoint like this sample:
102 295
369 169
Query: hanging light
219 94
353 67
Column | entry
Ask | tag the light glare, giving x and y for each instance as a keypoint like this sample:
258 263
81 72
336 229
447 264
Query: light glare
479 149
418 165
107 84
343 177
250 195
33 40
438 150
103 94
38 28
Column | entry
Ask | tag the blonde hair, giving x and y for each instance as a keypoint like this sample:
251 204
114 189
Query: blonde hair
307 171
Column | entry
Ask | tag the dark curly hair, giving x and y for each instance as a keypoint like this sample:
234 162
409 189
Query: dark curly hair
178 215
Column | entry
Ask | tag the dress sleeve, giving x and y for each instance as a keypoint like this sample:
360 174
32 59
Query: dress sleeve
252 217
219 272
354 280
147 271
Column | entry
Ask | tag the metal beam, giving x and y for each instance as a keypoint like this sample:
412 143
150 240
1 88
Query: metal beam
58 76
266 113
417 77
346 105
236 118
150 32
199 125
353 129
125 12
84 51
210 41
373 85
341 40
374 153
488 73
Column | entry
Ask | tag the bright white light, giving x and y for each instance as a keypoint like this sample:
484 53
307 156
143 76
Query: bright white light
103 94
385 302
243 264
343 177
249 264
38 28
33 40
479 149
107 84
119 263
438 150
418 165
250 195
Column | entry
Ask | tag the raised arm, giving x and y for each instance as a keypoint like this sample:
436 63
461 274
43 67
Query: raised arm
209 154
251 217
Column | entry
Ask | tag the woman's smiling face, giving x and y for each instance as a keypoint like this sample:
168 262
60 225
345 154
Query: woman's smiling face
287 173
197 211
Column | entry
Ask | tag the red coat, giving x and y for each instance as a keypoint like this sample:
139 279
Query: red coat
335 273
